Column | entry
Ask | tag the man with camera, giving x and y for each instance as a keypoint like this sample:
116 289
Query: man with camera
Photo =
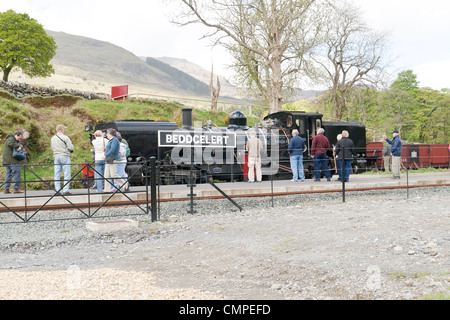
11 163
62 148
396 152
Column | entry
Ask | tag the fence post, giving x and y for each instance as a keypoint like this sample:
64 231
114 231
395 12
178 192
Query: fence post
407 182
343 174
153 188
191 184
88 170
271 188
25 190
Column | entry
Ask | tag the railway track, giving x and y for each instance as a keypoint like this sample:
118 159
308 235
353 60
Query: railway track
81 200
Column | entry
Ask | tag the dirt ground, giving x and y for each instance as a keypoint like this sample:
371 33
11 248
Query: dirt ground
366 248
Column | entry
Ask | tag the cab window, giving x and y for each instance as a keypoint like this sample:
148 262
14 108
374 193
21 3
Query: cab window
318 123
289 122
301 126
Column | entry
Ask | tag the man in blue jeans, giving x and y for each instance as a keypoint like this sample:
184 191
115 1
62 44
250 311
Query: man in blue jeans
319 147
345 149
12 165
62 148
296 148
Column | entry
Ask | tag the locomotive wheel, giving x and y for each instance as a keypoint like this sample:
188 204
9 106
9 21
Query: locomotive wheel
363 168
168 179
88 182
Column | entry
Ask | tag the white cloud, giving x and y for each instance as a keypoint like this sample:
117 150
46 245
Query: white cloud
420 30
434 75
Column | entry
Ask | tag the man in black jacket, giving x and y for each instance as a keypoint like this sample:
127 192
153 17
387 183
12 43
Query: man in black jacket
344 151
12 165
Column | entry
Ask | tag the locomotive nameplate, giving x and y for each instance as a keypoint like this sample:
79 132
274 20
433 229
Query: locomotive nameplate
196 138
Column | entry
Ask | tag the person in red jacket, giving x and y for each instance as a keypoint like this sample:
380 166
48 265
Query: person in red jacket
320 145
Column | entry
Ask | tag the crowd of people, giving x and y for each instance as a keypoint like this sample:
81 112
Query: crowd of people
110 154
343 153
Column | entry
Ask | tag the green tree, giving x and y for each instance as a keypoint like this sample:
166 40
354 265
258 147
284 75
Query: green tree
395 108
431 116
362 106
25 45
406 81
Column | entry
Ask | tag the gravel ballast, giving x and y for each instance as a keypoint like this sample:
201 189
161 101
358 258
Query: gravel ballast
376 245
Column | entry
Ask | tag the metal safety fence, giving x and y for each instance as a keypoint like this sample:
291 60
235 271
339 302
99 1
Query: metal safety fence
37 193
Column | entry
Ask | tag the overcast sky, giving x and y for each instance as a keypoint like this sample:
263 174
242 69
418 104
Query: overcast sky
420 31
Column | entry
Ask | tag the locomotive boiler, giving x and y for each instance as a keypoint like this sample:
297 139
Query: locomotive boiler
228 163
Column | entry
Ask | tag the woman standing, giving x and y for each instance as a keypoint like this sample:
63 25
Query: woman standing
122 162
111 158
99 144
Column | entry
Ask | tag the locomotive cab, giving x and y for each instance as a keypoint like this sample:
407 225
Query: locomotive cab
306 123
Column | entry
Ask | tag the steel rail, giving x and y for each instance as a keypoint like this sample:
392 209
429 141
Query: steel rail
252 195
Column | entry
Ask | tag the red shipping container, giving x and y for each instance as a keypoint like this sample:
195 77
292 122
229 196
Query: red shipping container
375 151
119 92
439 155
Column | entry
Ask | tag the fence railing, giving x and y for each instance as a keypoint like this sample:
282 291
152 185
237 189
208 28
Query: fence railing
39 192
30 202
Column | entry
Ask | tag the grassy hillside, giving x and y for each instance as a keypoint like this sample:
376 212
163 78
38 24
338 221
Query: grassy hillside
40 115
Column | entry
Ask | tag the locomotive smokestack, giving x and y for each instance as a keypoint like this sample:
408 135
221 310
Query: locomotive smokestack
187 118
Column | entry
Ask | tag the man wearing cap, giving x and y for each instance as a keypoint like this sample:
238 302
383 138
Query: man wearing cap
396 152
62 147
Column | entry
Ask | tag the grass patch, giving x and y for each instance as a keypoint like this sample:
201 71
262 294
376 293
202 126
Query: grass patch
438 296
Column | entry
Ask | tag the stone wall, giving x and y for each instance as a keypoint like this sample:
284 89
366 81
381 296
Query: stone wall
21 90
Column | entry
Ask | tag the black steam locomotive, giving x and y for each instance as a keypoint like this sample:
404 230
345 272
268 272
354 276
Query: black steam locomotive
229 163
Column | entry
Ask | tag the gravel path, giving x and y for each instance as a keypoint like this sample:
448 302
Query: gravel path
376 245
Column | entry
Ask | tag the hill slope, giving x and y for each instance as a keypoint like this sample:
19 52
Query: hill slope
84 63
94 65
199 73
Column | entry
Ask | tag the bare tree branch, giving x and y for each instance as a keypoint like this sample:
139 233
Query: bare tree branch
354 53
266 38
